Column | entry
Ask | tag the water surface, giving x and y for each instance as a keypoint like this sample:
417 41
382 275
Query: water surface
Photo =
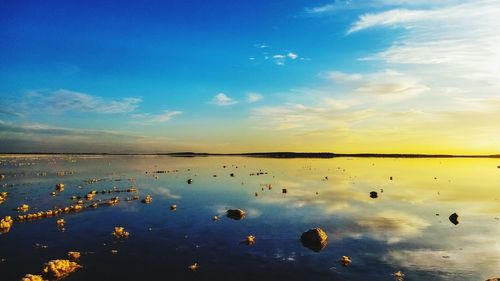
406 228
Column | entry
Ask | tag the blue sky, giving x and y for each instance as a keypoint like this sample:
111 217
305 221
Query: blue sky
226 75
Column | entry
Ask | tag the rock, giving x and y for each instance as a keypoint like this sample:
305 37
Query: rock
74 255
60 268
496 278
250 240
23 208
6 224
232 174
60 186
120 232
314 239
284 190
148 199
189 181
173 207
235 214
390 178
215 218
345 260
2 177
194 267
373 194
31 277
399 276
454 218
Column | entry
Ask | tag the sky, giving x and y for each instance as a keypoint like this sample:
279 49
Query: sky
381 76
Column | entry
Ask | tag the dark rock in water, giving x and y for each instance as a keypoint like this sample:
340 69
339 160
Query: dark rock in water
232 175
454 218
284 190
496 278
314 239
189 181
235 214
390 178
373 194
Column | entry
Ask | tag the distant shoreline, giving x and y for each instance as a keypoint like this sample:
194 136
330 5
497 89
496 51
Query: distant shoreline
287 155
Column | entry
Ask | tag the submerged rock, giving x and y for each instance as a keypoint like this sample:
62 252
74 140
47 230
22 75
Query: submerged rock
314 239
189 181
454 218
235 214
373 194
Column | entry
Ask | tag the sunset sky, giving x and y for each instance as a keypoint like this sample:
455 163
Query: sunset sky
382 76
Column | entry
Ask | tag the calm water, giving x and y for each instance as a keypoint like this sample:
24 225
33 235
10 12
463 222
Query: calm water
406 228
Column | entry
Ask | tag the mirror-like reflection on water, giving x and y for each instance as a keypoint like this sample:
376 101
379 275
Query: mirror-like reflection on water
386 215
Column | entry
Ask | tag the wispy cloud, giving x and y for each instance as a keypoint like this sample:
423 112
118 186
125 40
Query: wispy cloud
63 100
147 118
261 45
391 18
222 99
334 6
340 77
47 130
253 97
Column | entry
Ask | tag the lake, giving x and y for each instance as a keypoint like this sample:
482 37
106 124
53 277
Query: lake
405 228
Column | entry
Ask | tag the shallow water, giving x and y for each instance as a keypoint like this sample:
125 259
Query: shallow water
406 228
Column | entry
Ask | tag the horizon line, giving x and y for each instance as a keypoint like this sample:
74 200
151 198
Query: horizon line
276 154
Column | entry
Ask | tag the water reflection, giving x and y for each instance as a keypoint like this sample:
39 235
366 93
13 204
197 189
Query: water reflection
405 227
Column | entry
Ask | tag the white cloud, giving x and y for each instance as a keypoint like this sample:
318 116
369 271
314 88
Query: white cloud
280 59
253 97
392 84
321 9
335 6
338 76
146 118
65 100
390 18
261 45
222 100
